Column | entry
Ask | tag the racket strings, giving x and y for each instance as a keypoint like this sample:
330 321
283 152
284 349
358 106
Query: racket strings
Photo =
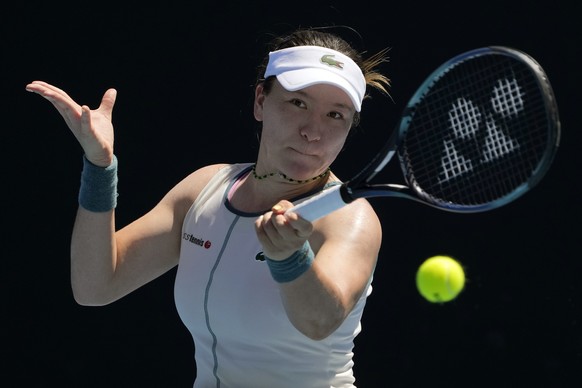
478 134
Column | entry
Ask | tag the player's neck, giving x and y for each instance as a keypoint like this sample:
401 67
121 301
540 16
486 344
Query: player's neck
257 195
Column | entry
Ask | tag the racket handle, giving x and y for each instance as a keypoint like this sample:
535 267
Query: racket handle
320 204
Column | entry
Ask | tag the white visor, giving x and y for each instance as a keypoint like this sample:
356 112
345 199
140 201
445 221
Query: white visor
302 66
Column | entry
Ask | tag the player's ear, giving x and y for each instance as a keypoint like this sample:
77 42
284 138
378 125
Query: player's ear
259 100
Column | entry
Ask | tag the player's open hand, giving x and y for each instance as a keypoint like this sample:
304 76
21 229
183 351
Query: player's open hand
92 128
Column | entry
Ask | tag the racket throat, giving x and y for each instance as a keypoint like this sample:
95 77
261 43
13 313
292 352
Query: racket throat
347 194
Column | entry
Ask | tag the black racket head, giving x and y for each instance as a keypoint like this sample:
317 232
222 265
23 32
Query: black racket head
480 132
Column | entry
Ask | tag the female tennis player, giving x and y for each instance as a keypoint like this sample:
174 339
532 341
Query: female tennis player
271 300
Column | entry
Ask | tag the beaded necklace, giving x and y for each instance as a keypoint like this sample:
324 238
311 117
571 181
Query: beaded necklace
260 177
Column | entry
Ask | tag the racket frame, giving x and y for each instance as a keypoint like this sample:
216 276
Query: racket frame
360 187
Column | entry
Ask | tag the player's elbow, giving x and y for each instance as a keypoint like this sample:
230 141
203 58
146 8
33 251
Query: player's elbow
87 296
85 300
319 329
317 335
88 302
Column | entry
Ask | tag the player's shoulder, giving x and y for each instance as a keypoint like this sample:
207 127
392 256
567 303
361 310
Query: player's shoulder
211 168
355 226
185 192
200 177
194 182
356 219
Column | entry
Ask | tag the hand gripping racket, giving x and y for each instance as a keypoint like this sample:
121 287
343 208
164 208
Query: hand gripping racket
481 131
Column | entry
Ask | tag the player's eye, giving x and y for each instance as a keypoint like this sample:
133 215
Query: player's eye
336 115
298 103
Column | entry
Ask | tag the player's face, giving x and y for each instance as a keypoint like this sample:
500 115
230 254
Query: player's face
303 131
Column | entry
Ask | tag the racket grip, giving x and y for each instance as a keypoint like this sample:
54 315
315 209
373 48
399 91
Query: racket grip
320 204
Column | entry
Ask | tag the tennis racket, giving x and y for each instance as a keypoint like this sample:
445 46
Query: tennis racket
480 131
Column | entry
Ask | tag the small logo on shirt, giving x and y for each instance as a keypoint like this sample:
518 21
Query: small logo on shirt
260 256
198 241
328 59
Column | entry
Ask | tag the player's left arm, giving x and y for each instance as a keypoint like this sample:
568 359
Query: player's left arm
346 245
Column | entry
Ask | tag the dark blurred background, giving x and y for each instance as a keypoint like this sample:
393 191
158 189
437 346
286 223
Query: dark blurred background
184 72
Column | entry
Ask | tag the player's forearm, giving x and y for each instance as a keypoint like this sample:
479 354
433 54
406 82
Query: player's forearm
93 257
314 304
93 249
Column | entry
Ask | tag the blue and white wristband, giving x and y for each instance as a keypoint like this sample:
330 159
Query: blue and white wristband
291 268
98 192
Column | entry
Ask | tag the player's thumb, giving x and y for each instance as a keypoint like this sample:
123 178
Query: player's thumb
108 101
281 207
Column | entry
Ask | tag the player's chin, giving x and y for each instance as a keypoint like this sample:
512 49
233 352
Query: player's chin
304 166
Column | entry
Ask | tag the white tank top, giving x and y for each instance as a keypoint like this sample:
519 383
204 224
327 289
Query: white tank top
229 302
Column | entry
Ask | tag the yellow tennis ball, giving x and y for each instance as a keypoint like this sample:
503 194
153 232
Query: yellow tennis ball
440 279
